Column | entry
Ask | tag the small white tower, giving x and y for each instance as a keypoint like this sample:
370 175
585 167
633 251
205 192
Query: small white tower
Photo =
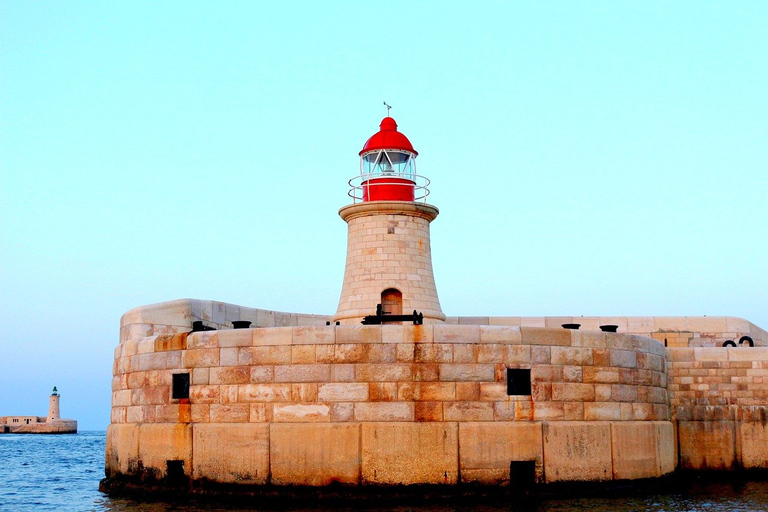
389 260
53 407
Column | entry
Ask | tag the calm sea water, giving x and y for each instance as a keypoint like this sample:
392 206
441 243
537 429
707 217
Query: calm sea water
62 473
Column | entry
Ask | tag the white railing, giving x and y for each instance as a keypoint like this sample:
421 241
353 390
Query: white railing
360 183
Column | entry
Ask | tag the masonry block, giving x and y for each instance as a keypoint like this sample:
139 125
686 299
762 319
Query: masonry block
327 454
707 444
576 451
551 337
456 333
754 444
159 443
384 411
231 453
635 450
491 446
301 413
409 453
343 392
272 336
122 450
321 335
500 334
358 333
235 338
229 413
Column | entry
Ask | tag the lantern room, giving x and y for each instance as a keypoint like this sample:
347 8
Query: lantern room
388 168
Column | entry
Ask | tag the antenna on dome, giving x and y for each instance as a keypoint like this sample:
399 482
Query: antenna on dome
388 107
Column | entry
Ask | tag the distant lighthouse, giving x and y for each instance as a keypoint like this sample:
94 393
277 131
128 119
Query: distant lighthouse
53 407
389 260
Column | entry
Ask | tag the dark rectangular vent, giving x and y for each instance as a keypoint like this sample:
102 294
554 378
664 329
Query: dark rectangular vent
518 381
522 474
175 471
180 386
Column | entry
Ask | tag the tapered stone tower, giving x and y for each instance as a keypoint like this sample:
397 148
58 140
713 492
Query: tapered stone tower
389 260
53 406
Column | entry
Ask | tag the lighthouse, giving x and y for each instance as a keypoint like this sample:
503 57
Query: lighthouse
388 271
53 407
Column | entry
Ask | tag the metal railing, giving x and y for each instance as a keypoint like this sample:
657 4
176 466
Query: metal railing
359 183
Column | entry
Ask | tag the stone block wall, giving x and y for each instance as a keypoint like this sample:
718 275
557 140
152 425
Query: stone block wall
719 399
390 453
391 373
390 404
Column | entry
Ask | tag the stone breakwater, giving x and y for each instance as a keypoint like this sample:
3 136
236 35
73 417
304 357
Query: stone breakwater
438 405
390 405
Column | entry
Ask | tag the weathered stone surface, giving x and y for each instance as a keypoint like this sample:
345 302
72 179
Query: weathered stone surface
122 449
235 338
159 443
303 373
384 411
229 413
272 336
417 453
456 333
467 372
314 335
301 412
576 451
571 356
343 392
635 450
551 337
500 334
666 446
231 453
203 357
327 453
754 444
358 334
468 411
493 445
707 444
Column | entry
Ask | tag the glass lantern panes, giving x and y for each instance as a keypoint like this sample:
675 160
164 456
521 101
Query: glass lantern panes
389 163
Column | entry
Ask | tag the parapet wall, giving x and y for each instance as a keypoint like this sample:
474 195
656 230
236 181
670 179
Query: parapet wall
390 404
672 331
178 315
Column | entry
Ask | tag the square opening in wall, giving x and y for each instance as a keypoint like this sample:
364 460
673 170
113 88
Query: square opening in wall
180 386
174 471
518 381
522 474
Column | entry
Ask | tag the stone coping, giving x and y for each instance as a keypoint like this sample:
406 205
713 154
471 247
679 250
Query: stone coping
422 210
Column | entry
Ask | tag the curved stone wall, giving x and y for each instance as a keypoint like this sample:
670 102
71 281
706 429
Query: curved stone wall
392 404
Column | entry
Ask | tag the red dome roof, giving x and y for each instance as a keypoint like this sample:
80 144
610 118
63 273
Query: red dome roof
388 138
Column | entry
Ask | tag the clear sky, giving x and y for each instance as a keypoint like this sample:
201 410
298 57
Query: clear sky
588 158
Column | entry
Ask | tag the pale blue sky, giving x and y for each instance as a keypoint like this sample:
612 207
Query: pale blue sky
588 158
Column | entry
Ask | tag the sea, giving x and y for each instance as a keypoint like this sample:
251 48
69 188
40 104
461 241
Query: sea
61 473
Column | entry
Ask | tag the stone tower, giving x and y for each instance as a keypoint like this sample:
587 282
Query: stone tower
53 407
389 260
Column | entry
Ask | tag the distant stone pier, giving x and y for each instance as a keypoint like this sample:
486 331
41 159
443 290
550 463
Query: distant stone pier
51 424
